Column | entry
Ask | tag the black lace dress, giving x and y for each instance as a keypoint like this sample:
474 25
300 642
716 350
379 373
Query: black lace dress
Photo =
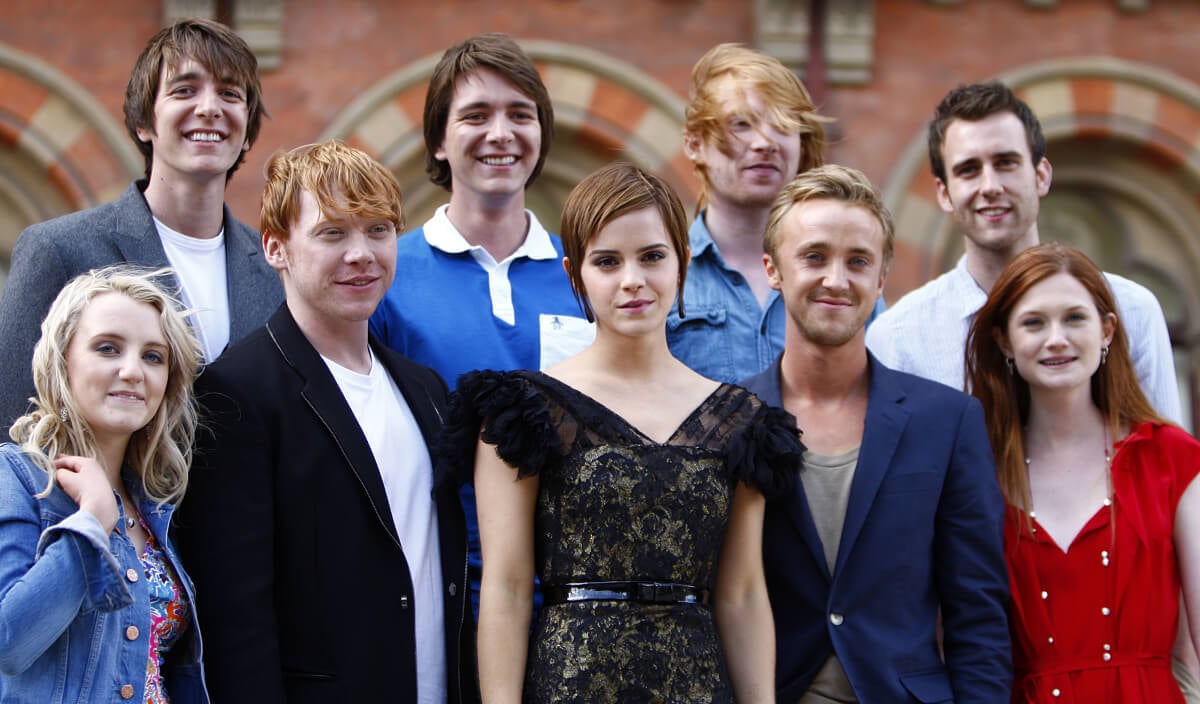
614 505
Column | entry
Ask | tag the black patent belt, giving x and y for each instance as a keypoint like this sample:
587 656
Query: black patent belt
646 592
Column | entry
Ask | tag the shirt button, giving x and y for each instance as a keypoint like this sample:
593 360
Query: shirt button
132 633
1045 595
453 589
836 619
1050 640
1107 657
738 280
1055 692
127 691
131 574
1105 611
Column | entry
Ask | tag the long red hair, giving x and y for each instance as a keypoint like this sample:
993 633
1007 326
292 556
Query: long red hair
1005 396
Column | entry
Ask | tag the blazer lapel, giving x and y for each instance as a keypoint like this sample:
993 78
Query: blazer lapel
248 279
134 233
801 514
765 385
885 423
325 399
419 398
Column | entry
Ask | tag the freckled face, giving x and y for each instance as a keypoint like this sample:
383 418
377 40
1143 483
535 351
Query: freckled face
335 267
760 157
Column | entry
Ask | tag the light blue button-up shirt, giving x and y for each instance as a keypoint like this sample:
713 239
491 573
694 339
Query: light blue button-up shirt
726 335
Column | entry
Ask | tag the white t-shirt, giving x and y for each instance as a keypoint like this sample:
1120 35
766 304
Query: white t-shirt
200 267
407 472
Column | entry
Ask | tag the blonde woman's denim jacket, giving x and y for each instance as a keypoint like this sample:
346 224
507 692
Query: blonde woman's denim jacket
74 611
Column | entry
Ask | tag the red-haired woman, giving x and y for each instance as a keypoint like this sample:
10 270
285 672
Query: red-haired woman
1104 525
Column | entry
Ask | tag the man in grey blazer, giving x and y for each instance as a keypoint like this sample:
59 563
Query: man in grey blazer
193 106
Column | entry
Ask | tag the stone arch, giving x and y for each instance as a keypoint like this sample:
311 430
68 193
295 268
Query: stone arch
60 150
604 108
1124 140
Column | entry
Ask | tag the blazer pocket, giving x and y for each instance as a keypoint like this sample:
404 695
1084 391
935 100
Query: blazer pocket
929 686
307 687
308 675
911 483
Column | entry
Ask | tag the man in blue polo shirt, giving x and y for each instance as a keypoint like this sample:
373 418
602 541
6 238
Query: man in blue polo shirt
481 284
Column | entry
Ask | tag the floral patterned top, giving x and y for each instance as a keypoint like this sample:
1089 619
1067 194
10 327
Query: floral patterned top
168 614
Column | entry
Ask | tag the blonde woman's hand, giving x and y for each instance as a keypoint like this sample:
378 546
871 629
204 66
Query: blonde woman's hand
84 481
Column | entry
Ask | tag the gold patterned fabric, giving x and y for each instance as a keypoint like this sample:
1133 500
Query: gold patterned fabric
614 505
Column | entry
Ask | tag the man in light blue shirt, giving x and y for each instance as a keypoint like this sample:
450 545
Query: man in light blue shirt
750 127
988 157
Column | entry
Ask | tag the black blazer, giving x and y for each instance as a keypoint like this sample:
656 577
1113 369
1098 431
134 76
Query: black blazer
302 589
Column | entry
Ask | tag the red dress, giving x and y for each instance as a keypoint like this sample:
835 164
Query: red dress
1097 624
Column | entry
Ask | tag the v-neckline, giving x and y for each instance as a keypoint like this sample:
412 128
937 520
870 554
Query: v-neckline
1087 527
630 426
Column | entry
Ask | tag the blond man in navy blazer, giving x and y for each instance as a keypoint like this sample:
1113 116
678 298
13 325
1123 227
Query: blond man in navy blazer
898 514
193 106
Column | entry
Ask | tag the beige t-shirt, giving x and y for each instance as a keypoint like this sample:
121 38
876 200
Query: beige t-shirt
826 480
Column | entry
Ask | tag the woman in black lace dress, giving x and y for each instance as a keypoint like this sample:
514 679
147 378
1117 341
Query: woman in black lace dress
637 494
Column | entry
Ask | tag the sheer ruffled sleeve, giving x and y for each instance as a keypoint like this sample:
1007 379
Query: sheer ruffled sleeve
506 410
768 455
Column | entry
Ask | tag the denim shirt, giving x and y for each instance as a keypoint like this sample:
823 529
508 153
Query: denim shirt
726 335
74 606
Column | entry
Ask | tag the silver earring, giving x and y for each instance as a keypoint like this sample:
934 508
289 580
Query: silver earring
1103 355
62 413
1008 361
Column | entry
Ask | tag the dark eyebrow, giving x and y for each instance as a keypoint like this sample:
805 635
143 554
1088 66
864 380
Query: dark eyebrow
195 76
184 77
485 105
965 162
647 248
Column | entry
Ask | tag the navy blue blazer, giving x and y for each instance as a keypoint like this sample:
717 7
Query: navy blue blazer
49 254
923 531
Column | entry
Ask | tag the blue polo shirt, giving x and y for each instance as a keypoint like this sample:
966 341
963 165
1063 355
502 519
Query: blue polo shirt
456 309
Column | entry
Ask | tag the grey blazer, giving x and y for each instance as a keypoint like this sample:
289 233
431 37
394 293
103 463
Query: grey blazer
49 254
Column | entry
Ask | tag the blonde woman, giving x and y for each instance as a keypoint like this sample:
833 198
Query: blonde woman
94 605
